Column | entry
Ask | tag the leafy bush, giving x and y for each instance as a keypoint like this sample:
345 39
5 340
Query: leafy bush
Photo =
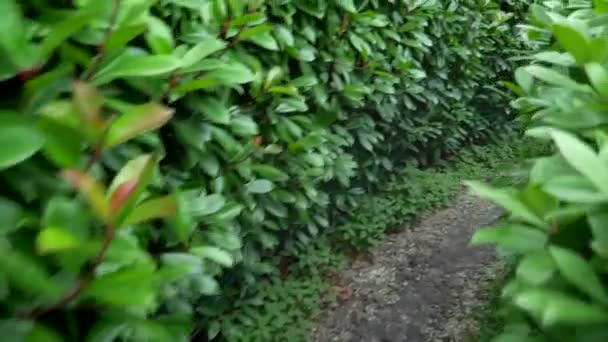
161 159
558 219
286 309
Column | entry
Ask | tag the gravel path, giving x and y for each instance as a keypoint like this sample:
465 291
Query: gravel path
423 284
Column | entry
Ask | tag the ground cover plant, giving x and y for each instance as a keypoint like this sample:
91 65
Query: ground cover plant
163 162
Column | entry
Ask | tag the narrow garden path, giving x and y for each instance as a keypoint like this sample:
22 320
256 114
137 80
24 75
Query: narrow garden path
425 283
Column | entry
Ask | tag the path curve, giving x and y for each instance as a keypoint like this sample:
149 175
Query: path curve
424 283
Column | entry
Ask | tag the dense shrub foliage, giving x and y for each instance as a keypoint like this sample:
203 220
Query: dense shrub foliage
164 160
559 219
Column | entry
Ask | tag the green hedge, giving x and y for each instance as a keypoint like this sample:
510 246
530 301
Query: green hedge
160 159
558 220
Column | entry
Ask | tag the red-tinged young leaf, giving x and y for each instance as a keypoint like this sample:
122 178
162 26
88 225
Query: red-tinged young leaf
137 120
122 194
90 189
89 102
162 207
138 171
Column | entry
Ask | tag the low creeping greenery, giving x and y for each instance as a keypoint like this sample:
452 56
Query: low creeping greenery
558 219
285 309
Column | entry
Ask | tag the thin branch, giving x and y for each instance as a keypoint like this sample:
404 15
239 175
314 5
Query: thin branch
81 284
101 49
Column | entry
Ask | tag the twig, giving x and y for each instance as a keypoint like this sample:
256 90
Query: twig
81 284
101 50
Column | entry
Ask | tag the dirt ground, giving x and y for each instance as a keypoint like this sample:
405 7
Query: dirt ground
424 283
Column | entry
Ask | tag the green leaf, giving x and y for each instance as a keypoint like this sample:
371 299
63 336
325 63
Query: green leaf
234 73
578 272
65 139
159 36
25 274
55 239
210 164
248 19
553 77
269 172
348 5
583 159
19 138
554 308
599 78
259 186
215 111
554 57
130 287
536 268
516 238
292 105
244 126
183 222
10 214
524 79
206 205
127 65
508 201
260 35
61 31
227 74
13 39
162 207
304 81
284 35
274 75
213 330
199 83
574 189
572 40
213 253
228 212
198 52
124 34
136 121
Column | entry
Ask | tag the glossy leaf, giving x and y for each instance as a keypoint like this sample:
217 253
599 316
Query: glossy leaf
215 254
128 65
136 121
578 271
20 138
260 186
516 238
54 239
507 201
583 159
162 207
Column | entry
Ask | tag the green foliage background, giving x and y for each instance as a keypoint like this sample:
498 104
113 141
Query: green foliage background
165 164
